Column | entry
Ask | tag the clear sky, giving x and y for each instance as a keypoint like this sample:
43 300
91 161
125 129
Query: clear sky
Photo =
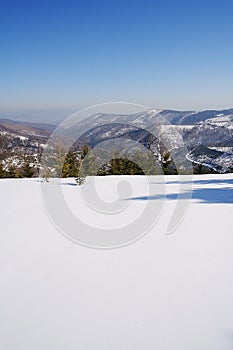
63 55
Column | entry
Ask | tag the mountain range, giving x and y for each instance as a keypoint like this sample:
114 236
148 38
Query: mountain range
208 135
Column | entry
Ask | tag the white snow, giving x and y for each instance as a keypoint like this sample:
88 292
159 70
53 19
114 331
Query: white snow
165 292
220 120
22 138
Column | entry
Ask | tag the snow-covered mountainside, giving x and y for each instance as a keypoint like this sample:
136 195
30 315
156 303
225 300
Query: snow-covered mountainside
204 130
20 140
154 116
221 120
220 161
162 292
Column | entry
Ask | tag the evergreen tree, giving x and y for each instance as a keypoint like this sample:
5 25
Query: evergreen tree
88 165
168 165
85 151
27 170
70 166
2 171
59 155
12 172
146 162
137 163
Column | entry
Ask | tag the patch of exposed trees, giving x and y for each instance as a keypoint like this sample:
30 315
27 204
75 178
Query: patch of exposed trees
81 163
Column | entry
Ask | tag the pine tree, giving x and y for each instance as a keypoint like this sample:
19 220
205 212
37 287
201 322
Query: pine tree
70 166
12 172
2 171
87 166
145 162
59 155
27 170
85 151
168 165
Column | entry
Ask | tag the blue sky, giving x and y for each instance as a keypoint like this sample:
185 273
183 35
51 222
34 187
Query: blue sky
63 55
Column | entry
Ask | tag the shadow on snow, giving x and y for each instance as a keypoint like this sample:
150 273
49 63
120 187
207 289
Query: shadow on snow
222 195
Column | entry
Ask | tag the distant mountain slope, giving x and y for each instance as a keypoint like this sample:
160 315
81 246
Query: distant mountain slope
202 131
202 116
20 141
32 125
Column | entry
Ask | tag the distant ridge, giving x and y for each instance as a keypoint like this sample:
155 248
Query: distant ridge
41 126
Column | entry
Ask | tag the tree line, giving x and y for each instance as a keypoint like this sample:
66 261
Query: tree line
85 162
89 162
13 171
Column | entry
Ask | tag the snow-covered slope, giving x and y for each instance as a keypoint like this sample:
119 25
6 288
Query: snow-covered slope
208 129
205 128
221 120
162 292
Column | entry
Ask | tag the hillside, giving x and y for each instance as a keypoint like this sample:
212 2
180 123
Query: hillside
204 131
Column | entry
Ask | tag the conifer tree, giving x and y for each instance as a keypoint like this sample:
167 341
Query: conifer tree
88 165
27 170
59 155
12 172
168 165
2 171
70 166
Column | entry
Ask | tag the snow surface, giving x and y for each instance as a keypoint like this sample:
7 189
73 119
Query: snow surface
165 292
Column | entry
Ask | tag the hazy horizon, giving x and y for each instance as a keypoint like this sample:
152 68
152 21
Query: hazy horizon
57 116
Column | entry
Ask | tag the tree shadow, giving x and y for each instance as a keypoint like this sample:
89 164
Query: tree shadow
204 182
69 184
202 195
